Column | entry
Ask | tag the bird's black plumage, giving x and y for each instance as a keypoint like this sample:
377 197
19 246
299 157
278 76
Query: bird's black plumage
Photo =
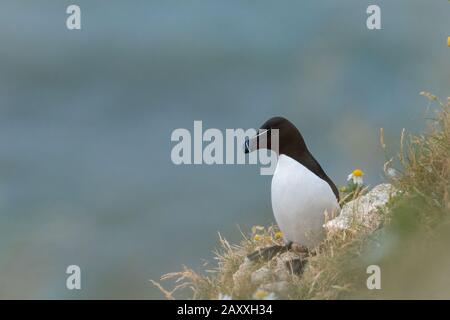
292 144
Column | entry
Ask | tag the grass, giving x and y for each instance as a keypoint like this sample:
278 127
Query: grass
411 248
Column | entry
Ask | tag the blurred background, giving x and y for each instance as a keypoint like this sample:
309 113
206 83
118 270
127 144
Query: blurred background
86 118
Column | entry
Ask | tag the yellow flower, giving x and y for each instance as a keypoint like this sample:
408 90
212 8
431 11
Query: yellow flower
260 294
264 295
356 176
448 41
257 237
257 228
278 235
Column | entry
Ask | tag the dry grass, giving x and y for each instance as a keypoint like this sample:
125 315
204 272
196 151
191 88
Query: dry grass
229 258
417 225
426 163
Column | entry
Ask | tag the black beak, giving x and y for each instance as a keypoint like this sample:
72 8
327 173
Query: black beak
254 143
247 146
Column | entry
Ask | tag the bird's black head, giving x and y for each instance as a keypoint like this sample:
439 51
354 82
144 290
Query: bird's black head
290 141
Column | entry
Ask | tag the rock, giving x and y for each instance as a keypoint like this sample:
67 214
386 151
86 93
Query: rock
363 210
278 269
277 279
261 275
289 263
242 275
277 287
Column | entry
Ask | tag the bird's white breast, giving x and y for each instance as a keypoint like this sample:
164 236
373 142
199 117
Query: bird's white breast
299 201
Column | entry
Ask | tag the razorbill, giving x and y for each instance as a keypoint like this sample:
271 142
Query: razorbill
301 190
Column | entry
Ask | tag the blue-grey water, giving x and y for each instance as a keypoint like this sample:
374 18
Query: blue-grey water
86 118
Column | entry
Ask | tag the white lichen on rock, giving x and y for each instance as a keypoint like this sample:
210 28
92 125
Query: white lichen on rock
242 275
261 275
363 210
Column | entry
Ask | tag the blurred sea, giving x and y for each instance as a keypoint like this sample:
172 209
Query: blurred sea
86 118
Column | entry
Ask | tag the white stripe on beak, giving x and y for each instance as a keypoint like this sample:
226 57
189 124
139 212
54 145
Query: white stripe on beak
260 139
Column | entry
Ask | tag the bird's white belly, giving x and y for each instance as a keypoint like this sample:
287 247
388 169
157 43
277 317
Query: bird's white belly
299 201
